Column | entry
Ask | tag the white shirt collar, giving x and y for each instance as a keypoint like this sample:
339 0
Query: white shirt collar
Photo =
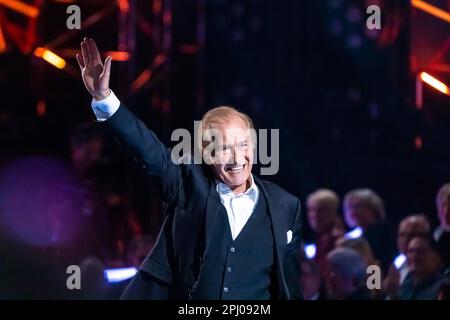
222 188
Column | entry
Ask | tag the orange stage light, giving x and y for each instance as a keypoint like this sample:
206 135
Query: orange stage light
430 9
140 80
118 55
123 5
157 7
50 57
21 7
435 83
2 41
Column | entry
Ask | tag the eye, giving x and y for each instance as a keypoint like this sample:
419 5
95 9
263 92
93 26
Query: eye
243 145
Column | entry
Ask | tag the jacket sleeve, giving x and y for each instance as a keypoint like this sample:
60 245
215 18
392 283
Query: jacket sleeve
292 264
152 156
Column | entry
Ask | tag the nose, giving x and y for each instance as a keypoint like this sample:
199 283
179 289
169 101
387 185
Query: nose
236 156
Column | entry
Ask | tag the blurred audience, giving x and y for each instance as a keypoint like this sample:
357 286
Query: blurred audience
311 280
324 220
364 208
410 226
345 275
442 232
107 200
86 147
425 274
361 246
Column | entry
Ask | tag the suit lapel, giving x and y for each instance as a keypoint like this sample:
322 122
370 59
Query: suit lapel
279 232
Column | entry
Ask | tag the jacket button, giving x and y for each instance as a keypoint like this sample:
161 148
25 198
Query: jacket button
225 289
232 249
229 269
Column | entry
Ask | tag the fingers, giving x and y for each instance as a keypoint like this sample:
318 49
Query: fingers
106 70
84 53
80 61
90 50
94 51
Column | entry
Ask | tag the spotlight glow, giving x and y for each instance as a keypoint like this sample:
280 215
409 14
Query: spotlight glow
50 57
399 260
119 274
310 251
435 83
353 234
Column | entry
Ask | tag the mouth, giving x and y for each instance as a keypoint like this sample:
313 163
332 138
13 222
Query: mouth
235 168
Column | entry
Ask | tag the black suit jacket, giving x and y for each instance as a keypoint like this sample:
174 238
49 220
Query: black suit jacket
190 202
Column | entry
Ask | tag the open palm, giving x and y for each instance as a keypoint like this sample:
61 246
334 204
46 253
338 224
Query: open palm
95 74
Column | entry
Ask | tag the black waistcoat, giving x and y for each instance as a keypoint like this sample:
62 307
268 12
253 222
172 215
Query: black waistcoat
240 269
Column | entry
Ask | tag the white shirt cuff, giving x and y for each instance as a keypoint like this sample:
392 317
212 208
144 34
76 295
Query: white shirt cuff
104 109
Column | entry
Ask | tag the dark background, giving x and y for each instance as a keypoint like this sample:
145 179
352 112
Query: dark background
343 97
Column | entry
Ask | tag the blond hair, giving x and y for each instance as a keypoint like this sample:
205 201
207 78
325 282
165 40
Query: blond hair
327 197
370 200
220 115
418 219
360 245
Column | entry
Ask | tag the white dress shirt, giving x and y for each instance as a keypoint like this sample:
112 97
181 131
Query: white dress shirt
103 109
239 207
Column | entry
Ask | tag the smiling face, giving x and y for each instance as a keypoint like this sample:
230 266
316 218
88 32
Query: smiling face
232 156
407 229
423 261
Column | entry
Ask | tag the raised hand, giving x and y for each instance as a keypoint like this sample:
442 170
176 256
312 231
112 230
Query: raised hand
95 74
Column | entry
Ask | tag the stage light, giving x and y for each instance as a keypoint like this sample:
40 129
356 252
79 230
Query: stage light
141 80
21 7
119 274
399 260
50 57
353 234
418 143
118 55
435 83
430 9
2 41
124 6
157 7
310 251
41 108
